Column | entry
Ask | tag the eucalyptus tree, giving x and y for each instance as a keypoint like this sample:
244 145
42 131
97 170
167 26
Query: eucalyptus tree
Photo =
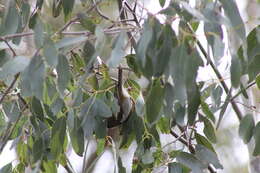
59 89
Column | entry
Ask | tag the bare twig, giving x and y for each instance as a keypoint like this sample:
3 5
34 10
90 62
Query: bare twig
9 46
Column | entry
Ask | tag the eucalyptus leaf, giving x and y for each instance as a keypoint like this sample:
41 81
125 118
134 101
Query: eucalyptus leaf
246 128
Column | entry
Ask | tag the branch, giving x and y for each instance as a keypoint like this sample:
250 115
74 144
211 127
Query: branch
10 87
219 76
190 147
9 46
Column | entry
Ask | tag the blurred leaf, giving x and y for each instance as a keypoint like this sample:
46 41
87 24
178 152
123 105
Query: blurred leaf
50 52
243 90
87 22
235 71
36 108
39 33
256 151
131 62
154 102
56 7
177 168
11 110
253 68
207 111
209 130
32 79
257 80
162 3
191 162
88 52
232 12
246 128
67 8
101 143
140 105
50 166
58 137
69 41
224 108
63 72
11 20
7 168
38 149
204 141
144 42
207 156
14 66
77 137
118 51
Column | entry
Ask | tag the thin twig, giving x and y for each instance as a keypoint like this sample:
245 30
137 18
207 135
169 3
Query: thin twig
9 46
190 147
7 91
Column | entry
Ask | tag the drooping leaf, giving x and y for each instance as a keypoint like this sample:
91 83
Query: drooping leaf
257 80
131 62
204 141
246 128
223 108
77 137
58 137
11 20
50 52
32 79
191 162
257 139
36 108
207 111
67 8
14 66
7 168
235 71
63 72
154 101
11 110
69 41
118 51
144 42
207 156
88 52
38 33
177 168
209 130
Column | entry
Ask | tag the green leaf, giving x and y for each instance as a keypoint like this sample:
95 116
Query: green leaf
50 52
144 42
101 143
131 62
154 101
246 128
11 20
207 111
11 110
235 71
177 168
56 8
63 72
162 2
67 8
191 162
7 168
118 51
32 79
77 137
257 80
207 156
69 41
58 137
88 52
224 108
36 108
38 149
256 151
253 68
204 141
232 12
50 166
14 66
39 33
209 130
140 105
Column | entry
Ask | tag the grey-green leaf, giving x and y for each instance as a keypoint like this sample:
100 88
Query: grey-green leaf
50 52
69 41
63 72
236 71
191 162
256 151
154 102
14 66
246 128
232 12
207 156
118 51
